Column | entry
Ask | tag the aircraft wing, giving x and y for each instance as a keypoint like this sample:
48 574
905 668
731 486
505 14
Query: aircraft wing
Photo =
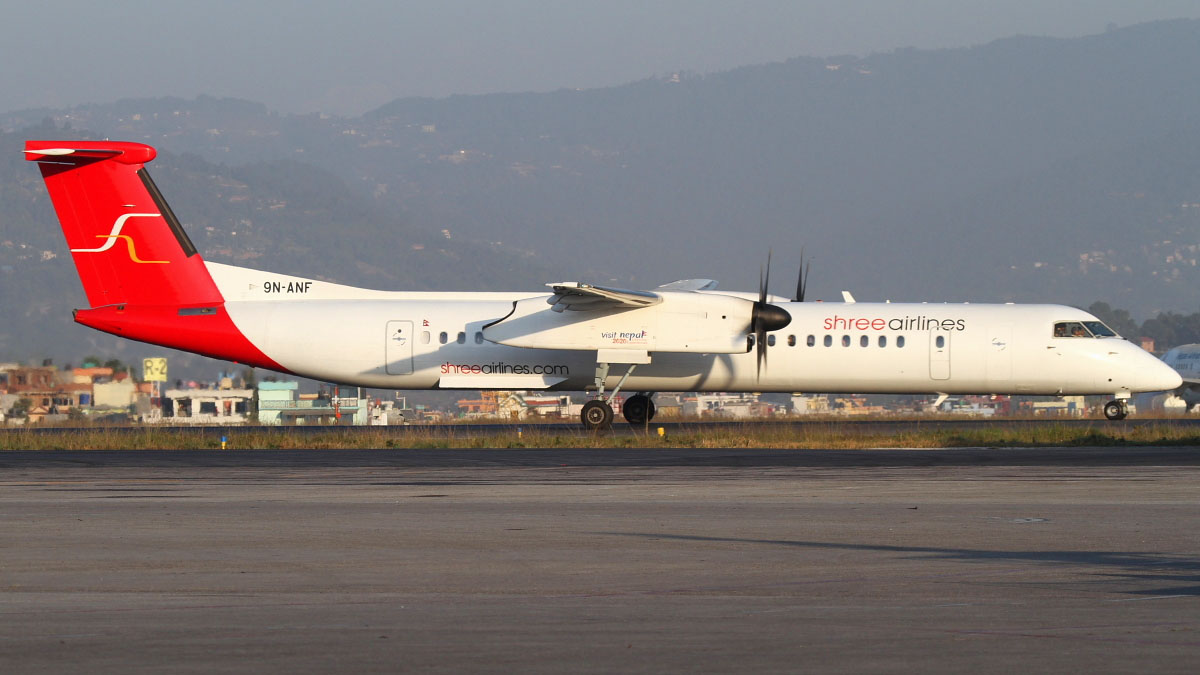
578 296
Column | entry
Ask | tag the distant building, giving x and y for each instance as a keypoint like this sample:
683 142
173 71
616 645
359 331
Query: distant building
855 405
205 406
90 375
810 404
7 401
668 406
1072 406
278 404
273 399
32 378
52 393
4 370
726 405
519 405
117 393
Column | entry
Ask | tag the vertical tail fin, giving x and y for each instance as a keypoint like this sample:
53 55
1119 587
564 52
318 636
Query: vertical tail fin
127 245
143 277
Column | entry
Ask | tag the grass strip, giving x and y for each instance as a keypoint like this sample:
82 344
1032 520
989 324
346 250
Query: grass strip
830 436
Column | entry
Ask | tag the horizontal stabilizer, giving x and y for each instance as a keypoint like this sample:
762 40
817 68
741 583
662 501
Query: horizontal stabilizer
690 285
82 151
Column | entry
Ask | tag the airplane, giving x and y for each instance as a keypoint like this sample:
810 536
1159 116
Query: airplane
145 280
1185 360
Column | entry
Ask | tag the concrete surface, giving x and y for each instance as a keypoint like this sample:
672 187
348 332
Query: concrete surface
597 561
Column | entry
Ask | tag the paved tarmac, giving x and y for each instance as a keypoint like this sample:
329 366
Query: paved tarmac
985 560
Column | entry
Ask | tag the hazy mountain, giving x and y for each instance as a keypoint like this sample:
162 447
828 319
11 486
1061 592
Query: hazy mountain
1030 169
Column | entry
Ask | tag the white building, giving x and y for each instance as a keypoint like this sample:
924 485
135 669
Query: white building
205 406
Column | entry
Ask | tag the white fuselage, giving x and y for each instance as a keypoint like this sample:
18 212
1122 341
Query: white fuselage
400 340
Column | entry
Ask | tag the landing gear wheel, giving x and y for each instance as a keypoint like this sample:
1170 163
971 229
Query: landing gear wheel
1116 410
638 409
596 415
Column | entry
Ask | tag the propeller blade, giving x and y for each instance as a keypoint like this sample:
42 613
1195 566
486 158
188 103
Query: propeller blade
801 278
765 317
764 280
760 343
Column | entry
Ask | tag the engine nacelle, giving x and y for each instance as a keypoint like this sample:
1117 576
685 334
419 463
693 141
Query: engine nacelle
683 322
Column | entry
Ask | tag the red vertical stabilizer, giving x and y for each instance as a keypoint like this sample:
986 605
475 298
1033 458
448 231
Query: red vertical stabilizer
143 277
127 244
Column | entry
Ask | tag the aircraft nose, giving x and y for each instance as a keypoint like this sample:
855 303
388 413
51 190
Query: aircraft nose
1158 376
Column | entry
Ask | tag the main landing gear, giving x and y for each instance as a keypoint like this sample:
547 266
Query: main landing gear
638 409
1116 409
598 414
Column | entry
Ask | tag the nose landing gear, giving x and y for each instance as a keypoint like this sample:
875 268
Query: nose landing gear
1116 409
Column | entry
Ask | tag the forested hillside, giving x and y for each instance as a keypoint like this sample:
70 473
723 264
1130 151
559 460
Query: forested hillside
1028 169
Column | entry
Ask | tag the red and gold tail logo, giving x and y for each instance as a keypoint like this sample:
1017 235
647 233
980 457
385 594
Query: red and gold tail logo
115 234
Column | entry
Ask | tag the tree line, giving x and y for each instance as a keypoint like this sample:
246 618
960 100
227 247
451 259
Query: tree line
1167 329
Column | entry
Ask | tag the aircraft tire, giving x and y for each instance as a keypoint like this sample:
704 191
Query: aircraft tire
596 415
1116 410
638 409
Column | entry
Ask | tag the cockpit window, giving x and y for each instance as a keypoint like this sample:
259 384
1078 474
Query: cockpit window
1083 329
1099 329
1070 329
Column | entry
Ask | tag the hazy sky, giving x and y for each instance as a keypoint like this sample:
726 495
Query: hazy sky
359 54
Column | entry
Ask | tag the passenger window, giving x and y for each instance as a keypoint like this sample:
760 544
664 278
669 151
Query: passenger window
845 340
899 341
462 338
424 337
770 340
443 337
828 340
812 341
478 337
941 341
882 340
864 341
1070 329
791 340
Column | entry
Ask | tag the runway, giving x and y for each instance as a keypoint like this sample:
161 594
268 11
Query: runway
984 559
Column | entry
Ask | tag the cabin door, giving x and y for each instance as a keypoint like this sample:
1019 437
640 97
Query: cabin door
939 355
999 357
398 348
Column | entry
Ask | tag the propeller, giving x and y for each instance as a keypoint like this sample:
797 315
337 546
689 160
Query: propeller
765 317
802 278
